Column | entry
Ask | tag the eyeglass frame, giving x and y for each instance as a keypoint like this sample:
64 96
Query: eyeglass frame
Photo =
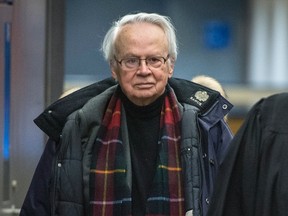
140 59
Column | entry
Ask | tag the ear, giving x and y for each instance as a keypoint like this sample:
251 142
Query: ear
114 74
113 70
171 69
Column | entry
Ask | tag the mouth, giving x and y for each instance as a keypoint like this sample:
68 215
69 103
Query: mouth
144 85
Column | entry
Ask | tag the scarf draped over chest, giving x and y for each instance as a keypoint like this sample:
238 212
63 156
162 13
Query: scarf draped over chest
110 192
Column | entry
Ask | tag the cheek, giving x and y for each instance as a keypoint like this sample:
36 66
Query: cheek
125 80
167 72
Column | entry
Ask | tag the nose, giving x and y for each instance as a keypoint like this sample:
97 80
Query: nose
143 66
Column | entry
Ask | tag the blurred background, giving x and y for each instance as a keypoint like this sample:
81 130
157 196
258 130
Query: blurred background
50 46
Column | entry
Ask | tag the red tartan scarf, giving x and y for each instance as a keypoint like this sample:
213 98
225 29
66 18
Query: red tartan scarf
110 193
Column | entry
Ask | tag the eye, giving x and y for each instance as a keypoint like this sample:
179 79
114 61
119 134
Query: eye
154 60
131 61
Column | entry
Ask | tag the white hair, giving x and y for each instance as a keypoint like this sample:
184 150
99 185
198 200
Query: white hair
108 45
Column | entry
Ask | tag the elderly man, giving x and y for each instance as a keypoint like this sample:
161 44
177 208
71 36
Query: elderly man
134 144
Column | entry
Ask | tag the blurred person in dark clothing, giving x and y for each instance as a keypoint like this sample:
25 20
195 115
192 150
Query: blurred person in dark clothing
253 178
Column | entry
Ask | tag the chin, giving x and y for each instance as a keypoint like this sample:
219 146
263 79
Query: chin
145 94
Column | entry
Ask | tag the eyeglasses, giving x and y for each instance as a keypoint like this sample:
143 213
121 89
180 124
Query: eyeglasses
131 63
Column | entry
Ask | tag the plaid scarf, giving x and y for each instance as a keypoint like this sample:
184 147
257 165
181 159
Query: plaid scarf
110 193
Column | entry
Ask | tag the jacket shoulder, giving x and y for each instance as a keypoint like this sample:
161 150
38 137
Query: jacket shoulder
194 94
53 118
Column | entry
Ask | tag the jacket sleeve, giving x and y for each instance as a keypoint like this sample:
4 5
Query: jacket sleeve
37 200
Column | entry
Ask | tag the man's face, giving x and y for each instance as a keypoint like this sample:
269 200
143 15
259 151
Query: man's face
142 84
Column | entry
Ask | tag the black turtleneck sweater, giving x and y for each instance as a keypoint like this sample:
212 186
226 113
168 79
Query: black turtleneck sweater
143 127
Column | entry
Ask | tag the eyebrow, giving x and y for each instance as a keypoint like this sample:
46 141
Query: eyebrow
137 56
